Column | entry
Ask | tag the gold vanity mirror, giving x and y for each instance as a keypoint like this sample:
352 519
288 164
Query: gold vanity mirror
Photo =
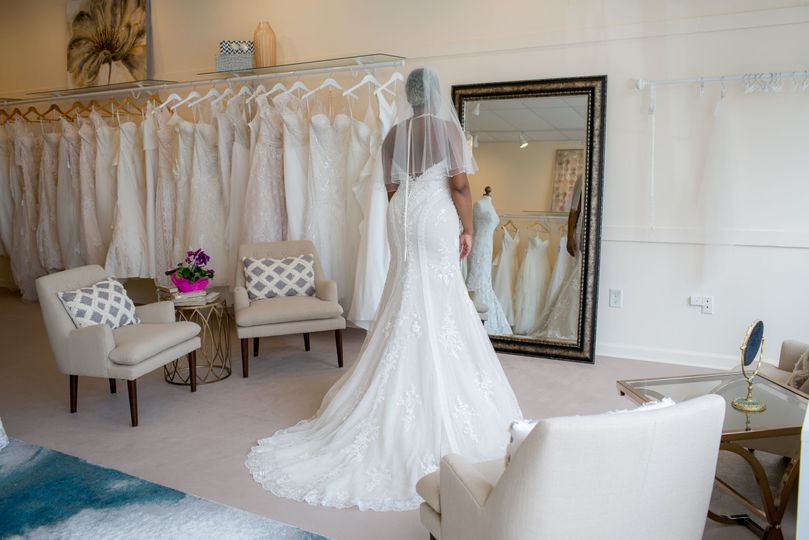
752 352
533 270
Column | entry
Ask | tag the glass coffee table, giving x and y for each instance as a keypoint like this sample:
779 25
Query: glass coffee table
776 429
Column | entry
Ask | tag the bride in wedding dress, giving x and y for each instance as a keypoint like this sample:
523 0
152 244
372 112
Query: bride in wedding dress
427 381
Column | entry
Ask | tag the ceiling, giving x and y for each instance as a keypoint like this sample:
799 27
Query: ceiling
552 118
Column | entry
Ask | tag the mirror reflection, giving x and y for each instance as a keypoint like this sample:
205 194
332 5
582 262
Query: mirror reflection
524 272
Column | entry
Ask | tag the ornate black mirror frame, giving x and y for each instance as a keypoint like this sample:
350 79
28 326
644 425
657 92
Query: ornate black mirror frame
595 88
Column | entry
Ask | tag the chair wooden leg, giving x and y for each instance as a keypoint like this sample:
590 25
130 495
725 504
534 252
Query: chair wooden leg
306 341
74 391
255 346
432 537
113 387
132 387
245 357
338 338
192 370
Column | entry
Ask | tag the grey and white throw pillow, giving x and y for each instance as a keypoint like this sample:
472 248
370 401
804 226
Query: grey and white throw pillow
268 278
800 373
105 302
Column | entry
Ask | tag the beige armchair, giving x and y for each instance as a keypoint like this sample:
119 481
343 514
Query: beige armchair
282 316
124 353
791 351
612 476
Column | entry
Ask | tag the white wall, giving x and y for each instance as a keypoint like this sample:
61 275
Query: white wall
756 194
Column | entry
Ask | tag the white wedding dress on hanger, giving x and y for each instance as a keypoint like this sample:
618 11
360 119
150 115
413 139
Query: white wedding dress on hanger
48 248
532 286
25 265
92 247
373 255
165 198
67 196
182 177
151 163
239 176
106 175
127 256
296 162
265 218
206 205
325 217
505 273
479 278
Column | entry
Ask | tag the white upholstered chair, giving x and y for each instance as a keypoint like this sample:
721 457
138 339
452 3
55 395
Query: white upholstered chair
281 316
124 353
791 351
626 476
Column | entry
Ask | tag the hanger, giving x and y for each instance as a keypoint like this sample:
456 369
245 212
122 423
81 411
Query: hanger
278 87
509 222
259 91
328 83
172 98
228 92
370 79
393 78
297 86
213 92
194 94
540 225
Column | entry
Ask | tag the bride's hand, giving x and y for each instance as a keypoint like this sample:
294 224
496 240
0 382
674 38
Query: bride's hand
465 245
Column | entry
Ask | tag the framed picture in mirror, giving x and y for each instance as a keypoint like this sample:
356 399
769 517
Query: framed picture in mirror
533 270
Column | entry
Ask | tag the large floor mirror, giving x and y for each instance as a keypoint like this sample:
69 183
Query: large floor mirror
533 270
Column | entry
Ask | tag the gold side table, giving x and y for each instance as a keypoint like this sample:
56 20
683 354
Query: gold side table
213 357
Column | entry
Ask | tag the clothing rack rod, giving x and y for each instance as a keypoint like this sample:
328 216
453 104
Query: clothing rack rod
642 84
200 82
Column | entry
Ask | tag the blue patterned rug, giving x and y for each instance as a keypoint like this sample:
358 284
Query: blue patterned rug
48 494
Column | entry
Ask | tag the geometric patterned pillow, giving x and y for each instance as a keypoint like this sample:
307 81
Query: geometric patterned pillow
106 302
268 278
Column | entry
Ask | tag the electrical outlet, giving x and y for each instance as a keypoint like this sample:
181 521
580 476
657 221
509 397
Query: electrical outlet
616 298
707 305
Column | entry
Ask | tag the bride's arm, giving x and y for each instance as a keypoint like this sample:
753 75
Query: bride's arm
462 198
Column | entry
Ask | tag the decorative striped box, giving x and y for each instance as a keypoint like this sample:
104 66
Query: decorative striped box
235 46
232 62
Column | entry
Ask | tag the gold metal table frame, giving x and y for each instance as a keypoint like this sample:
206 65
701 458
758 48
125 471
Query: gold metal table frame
213 357
743 441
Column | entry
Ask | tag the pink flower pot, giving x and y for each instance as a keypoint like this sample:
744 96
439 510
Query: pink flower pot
183 285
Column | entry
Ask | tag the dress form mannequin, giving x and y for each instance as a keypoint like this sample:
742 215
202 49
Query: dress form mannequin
479 280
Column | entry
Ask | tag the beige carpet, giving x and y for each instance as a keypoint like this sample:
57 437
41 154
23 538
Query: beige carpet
197 442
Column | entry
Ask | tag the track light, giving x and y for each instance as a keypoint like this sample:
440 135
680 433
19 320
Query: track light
476 110
475 141
523 140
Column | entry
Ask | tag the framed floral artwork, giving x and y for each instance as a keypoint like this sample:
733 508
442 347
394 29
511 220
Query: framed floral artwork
108 42
568 168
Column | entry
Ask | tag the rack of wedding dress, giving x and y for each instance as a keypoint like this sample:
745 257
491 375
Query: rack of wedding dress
134 190
531 270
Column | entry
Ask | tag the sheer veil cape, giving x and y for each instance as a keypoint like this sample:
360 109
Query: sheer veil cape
426 135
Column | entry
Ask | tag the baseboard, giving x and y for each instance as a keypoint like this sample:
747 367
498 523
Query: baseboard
667 356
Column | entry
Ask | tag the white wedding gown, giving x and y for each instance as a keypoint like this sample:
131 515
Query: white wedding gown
151 163
479 278
127 255
165 198
106 175
92 247
325 217
239 176
50 253
372 254
67 196
532 286
426 383
206 205
505 274
182 177
296 163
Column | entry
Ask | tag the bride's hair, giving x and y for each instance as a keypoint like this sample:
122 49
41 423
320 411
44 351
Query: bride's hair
422 87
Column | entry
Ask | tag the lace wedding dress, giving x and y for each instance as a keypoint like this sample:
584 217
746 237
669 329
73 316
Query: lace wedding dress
426 383
239 176
50 253
6 201
532 286
165 198
182 177
296 163
106 175
67 196
479 278
92 247
506 273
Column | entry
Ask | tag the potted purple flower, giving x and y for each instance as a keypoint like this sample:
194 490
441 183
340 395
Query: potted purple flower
192 274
